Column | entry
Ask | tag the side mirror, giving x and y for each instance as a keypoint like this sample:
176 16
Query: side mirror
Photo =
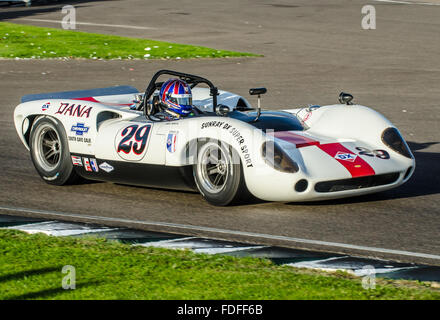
222 110
255 91
345 98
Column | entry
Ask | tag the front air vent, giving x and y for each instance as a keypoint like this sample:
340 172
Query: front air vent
104 116
357 183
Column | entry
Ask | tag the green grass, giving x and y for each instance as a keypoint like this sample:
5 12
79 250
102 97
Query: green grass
21 41
30 268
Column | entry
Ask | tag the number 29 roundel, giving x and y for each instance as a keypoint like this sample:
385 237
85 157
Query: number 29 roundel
131 142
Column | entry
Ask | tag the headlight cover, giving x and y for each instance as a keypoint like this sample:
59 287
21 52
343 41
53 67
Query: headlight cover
274 156
392 138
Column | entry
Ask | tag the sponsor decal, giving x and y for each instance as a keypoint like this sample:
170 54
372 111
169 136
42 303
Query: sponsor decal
243 147
345 156
381 154
106 167
210 124
45 106
355 165
94 164
79 129
237 136
74 110
131 142
77 161
171 142
307 116
80 139
87 164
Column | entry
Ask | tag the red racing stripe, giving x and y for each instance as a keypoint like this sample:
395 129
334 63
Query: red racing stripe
298 140
91 99
357 166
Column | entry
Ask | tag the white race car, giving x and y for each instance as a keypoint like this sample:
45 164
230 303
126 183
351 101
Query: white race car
226 150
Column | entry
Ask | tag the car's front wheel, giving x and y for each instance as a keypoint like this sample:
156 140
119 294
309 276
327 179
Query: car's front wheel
50 152
219 175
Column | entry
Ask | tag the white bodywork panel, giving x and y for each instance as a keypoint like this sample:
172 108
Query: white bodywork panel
95 127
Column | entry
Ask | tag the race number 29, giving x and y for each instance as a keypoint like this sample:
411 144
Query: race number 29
132 141
382 154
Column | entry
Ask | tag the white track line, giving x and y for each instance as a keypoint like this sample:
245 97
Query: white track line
356 270
90 24
58 228
407 2
225 231
197 245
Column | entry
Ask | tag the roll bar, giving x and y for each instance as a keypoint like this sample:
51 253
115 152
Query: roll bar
191 79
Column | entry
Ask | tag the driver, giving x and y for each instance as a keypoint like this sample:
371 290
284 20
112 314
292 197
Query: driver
175 99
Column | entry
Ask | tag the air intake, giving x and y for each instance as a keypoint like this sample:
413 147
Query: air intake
357 183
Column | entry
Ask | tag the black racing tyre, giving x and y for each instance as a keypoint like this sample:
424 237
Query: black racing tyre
50 152
218 174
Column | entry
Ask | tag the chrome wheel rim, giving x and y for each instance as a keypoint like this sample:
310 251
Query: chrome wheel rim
48 148
213 168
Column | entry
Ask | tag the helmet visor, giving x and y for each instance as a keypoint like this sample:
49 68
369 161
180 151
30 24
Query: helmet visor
183 101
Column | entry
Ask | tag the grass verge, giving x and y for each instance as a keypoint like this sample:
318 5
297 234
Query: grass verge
30 268
22 41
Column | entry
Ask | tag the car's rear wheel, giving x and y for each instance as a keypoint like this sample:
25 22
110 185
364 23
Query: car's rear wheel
218 174
50 152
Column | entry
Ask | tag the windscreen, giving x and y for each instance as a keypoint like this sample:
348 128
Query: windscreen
270 120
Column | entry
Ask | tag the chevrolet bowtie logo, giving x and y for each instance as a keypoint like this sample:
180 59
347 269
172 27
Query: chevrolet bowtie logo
79 129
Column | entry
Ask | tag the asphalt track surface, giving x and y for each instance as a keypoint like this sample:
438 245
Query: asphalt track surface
312 51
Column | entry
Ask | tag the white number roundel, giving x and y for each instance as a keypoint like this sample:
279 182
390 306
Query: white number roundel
131 142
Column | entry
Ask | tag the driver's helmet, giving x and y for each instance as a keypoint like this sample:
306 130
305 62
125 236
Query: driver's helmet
176 98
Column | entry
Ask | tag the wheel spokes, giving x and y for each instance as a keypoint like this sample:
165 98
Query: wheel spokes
48 143
56 157
49 154
214 169
214 159
53 136
217 179
50 147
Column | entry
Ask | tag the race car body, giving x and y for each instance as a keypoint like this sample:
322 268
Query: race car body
227 151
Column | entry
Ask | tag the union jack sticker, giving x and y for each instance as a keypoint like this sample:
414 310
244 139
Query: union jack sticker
171 142
76 161
94 164
87 164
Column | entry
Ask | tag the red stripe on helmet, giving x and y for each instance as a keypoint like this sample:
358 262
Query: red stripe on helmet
166 90
176 86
